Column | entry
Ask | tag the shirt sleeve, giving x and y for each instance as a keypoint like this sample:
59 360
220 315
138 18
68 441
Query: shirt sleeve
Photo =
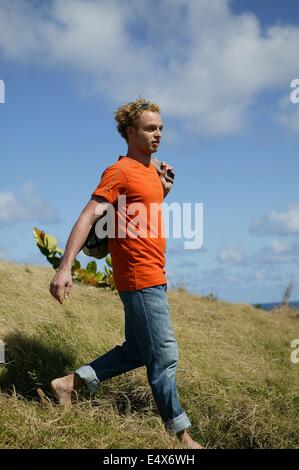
112 184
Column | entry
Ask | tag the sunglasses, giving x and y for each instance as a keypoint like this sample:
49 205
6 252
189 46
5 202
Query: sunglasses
144 106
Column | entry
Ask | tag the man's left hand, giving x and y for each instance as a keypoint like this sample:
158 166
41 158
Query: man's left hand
167 185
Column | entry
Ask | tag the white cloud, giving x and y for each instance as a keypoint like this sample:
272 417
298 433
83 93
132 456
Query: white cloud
26 205
279 252
288 114
201 62
230 255
277 223
283 246
229 276
250 285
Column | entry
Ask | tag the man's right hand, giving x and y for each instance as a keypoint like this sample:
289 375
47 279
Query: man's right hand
61 285
62 281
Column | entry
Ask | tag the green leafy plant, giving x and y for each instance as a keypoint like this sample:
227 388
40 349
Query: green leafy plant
89 275
48 246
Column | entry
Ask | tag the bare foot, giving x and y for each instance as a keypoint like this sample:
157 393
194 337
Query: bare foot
187 441
63 388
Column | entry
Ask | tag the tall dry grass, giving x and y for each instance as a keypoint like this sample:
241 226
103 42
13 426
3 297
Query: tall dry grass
235 377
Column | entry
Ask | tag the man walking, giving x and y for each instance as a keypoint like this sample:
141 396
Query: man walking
138 269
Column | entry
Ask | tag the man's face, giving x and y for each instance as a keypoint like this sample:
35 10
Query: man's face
148 135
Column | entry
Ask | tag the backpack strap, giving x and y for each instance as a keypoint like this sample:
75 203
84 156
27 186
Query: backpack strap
169 175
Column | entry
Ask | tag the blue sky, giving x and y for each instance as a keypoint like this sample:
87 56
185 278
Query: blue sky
221 71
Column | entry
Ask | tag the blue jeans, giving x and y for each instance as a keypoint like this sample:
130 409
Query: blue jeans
150 342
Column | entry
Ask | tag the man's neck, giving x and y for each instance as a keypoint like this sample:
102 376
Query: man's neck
139 156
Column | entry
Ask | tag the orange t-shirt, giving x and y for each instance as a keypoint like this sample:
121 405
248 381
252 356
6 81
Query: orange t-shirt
137 252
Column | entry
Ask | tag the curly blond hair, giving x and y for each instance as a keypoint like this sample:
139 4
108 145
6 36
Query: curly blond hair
128 114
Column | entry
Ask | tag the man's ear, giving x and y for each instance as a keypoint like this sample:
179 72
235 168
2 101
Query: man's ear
131 131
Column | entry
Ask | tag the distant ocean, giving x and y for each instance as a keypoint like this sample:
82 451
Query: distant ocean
272 305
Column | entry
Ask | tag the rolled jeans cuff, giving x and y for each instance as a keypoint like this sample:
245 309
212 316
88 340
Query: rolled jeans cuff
178 424
87 374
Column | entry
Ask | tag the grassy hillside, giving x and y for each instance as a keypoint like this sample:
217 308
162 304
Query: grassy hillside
235 376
